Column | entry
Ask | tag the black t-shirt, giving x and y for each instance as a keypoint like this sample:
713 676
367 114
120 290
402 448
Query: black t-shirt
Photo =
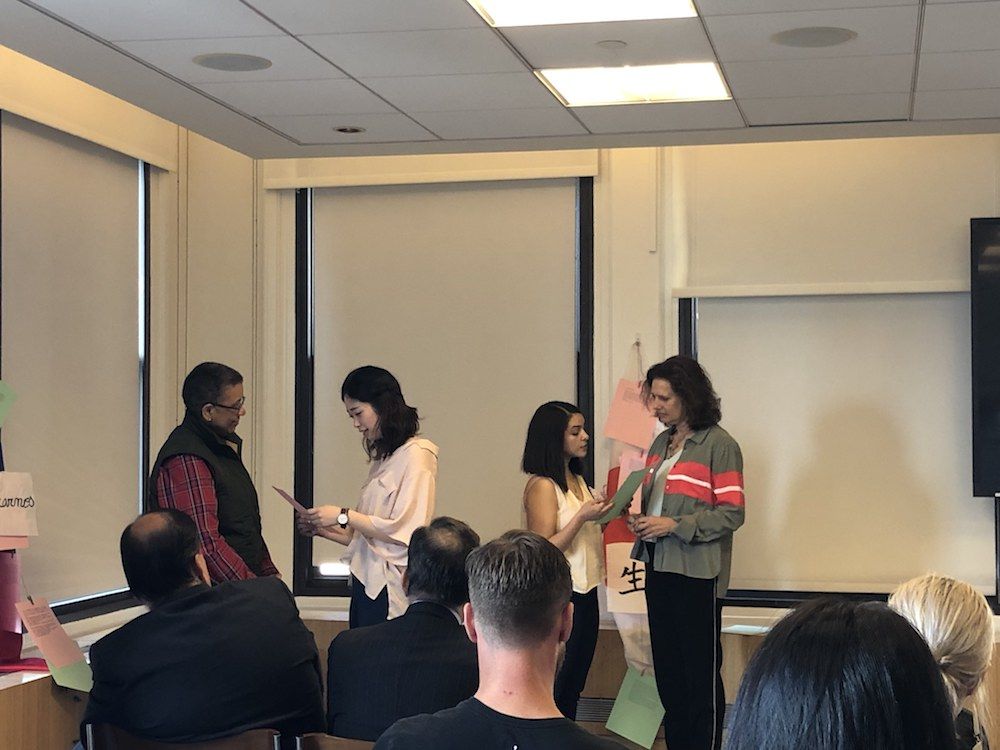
472 724
967 737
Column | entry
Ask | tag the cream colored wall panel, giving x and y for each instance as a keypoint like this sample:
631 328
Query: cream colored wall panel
882 210
628 275
45 95
404 170
220 261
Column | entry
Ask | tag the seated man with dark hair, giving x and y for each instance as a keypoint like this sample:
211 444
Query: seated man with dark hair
203 662
419 662
519 616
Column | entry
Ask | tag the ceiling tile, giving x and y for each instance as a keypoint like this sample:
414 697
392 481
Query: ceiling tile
960 27
651 118
347 16
379 128
826 109
741 7
417 53
298 97
649 42
956 105
487 91
959 70
835 75
118 20
881 31
291 61
506 123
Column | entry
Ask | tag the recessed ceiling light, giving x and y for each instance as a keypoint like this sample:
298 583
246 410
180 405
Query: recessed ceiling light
232 62
639 84
350 129
548 12
814 36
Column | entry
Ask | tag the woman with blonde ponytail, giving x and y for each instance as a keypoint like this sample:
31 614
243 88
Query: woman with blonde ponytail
957 624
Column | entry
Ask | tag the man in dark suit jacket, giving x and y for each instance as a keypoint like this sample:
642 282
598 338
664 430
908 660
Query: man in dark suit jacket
203 662
420 662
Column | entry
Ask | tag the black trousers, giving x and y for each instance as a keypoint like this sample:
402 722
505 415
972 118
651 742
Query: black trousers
685 620
365 611
579 653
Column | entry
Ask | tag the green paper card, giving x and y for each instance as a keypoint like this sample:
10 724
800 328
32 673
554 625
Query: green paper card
624 495
7 399
637 712
77 676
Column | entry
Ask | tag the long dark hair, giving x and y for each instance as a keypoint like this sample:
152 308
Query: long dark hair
841 675
543 446
691 384
397 421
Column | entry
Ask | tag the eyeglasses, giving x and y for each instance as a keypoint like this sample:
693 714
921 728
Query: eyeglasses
234 407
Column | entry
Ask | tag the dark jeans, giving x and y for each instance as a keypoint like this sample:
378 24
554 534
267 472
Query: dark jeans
365 611
685 620
579 653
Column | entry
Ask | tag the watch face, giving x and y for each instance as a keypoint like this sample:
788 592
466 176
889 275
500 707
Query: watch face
342 519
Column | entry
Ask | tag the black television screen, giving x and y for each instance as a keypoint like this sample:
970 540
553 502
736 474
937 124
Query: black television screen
986 357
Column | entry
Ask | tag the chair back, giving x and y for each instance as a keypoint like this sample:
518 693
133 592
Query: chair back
110 737
316 741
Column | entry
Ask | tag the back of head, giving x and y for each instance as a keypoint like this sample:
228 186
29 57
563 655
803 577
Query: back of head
519 585
436 562
205 383
397 420
158 554
543 445
840 675
957 623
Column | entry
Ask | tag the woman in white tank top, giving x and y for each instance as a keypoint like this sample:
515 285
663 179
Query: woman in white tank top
561 507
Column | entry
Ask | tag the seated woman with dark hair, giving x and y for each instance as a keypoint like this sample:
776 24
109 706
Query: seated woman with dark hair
841 675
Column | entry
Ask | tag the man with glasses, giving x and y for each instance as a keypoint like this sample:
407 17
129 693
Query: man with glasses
199 471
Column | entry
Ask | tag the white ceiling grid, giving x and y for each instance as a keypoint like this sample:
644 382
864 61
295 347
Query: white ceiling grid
431 73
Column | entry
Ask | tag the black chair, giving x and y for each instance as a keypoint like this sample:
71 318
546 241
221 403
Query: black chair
316 741
110 737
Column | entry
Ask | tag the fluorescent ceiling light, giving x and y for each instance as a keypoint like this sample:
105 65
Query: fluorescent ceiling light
640 84
548 12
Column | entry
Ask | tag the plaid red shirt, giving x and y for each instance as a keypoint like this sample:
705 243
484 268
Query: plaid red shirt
185 483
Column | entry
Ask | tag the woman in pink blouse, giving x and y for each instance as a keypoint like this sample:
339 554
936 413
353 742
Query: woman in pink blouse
397 498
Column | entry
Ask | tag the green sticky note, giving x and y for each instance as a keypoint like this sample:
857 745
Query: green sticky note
76 676
637 712
7 399
624 494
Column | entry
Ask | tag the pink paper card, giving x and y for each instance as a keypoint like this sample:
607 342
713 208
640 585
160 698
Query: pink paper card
628 419
633 460
52 640
10 592
13 542
291 500
10 645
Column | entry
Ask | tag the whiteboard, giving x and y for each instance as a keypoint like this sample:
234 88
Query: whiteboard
854 415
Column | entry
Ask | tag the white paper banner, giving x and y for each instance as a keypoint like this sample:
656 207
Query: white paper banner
626 580
17 505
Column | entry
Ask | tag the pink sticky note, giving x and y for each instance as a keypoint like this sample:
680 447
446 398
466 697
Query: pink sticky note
56 646
291 500
13 542
628 419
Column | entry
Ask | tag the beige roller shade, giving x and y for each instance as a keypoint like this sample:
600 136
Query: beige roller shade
69 348
466 292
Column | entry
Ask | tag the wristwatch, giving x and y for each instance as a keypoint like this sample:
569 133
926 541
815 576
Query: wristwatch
342 518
